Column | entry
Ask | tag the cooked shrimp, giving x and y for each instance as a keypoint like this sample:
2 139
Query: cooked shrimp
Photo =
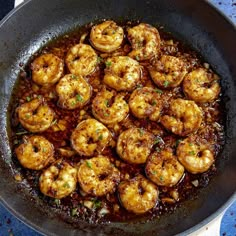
90 137
146 103
138 195
59 180
122 73
163 168
195 154
98 176
184 117
134 145
201 86
168 72
81 59
35 153
35 116
107 36
73 91
145 41
109 107
47 69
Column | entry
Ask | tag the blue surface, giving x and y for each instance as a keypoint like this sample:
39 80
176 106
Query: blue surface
11 226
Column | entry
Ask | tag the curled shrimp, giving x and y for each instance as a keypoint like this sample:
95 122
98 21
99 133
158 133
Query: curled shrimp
163 168
145 41
109 107
35 116
146 103
107 36
201 86
134 145
184 117
98 176
195 154
47 69
90 137
59 180
138 195
35 153
122 73
73 91
168 72
81 59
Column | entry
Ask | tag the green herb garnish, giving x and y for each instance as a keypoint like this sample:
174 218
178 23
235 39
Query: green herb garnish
106 103
108 63
74 211
66 185
141 131
89 165
158 91
28 99
166 83
57 201
79 98
191 153
100 137
97 203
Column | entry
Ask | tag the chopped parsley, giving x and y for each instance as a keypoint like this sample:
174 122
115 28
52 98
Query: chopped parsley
28 99
79 98
139 86
166 83
66 185
108 63
99 59
161 178
137 58
178 142
74 211
100 137
141 131
74 77
154 172
27 116
154 103
89 165
158 91
157 140
97 203
57 201
21 133
191 153
106 103
106 114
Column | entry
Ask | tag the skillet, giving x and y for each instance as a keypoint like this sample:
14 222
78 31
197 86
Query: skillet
30 26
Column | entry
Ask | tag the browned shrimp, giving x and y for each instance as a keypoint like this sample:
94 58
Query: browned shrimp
36 115
134 145
47 69
163 168
35 153
195 154
138 195
184 117
145 41
168 72
89 137
201 86
146 103
98 176
107 36
109 107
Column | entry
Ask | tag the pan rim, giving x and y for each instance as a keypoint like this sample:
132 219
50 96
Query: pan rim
43 231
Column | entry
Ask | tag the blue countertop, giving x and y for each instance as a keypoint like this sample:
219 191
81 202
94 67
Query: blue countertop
11 226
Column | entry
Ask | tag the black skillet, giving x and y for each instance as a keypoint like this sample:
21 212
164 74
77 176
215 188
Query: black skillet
26 29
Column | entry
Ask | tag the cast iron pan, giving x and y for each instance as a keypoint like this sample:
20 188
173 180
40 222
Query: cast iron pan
26 29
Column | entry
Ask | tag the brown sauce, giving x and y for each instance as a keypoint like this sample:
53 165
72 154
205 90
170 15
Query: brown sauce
73 205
